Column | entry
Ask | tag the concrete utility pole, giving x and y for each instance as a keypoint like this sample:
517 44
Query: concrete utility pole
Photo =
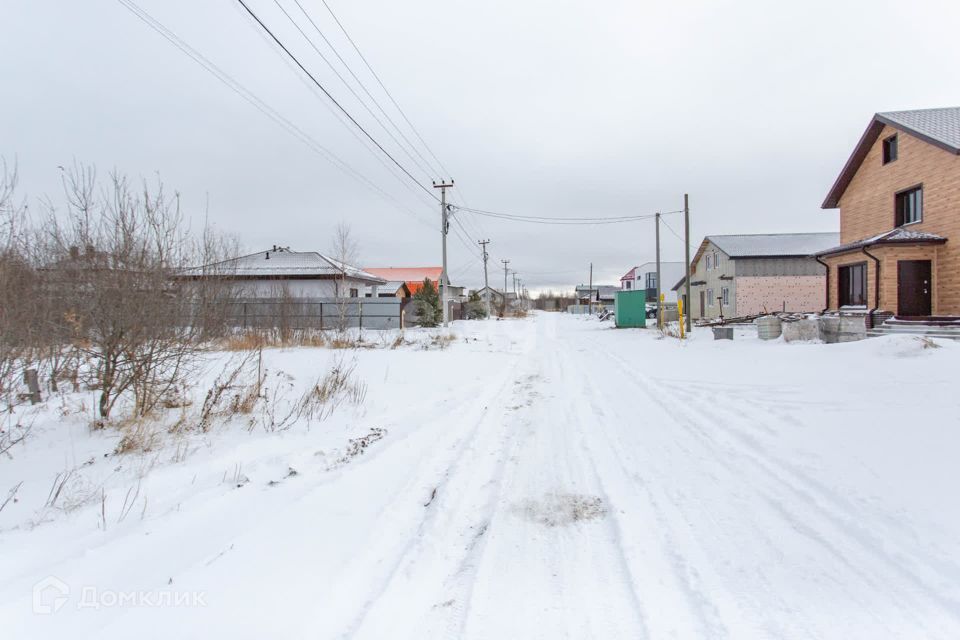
686 237
486 282
505 263
444 227
590 293
659 309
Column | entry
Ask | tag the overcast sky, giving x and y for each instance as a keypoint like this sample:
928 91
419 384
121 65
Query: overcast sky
537 107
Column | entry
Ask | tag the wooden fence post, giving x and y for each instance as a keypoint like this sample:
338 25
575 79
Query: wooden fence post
33 384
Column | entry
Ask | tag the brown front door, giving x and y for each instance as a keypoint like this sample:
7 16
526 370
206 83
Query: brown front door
914 290
703 297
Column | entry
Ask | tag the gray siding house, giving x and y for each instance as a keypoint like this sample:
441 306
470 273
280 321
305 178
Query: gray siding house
741 275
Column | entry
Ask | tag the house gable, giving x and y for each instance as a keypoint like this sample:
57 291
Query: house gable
939 128
868 203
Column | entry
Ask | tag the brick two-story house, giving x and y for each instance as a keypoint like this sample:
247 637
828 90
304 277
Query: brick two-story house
899 200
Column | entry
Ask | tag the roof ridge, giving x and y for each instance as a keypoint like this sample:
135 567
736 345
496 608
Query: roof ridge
785 233
881 113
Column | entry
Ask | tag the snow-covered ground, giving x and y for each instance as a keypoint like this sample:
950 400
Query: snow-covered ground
540 478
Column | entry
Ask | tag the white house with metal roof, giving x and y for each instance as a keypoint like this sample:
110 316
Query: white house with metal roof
644 277
741 275
281 272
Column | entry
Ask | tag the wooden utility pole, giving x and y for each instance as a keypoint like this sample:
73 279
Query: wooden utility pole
659 306
590 293
444 227
505 264
486 282
686 238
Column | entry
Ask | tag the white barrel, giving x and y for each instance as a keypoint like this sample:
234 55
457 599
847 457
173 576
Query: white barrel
768 328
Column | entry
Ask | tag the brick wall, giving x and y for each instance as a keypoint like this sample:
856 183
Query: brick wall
770 293
867 209
889 256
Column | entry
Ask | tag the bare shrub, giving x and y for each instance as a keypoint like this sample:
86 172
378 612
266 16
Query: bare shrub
12 433
233 391
108 265
331 390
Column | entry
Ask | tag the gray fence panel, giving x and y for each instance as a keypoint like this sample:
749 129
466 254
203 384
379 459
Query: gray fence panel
315 313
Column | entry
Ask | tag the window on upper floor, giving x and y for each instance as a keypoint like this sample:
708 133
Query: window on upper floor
909 206
709 262
890 149
627 284
716 260
652 280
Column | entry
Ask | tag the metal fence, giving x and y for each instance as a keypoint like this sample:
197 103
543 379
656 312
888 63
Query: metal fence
316 313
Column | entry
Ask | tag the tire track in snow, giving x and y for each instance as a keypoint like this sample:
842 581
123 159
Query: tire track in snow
436 515
838 525
565 579
708 620
837 510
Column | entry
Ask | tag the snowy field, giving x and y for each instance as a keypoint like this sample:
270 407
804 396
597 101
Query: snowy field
542 478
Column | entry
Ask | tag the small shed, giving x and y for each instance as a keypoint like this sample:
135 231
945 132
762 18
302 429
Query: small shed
630 308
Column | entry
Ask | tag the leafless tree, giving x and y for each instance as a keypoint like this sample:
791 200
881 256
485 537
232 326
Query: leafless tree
17 281
115 257
345 252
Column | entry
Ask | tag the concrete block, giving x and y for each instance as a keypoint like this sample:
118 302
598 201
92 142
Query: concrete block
801 331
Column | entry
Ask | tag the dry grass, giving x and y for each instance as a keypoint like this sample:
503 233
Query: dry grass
255 340
440 341
138 437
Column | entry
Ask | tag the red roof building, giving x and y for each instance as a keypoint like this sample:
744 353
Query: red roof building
413 276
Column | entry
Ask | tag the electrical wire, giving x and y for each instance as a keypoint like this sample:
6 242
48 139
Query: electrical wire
385 90
559 220
343 80
259 104
365 90
330 96
667 225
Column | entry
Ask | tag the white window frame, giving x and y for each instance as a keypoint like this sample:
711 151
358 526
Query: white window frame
710 300
725 294
709 267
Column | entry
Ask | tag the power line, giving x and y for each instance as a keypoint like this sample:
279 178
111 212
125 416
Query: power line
559 220
671 230
433 170
385 90
259 103
343 80
330 97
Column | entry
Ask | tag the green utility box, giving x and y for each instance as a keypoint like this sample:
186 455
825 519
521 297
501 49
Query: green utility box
630 308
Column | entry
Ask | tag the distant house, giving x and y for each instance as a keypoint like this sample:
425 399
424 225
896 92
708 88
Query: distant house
741 275
414 277
599 294
280 272
899 200
644 277
490 294
396 289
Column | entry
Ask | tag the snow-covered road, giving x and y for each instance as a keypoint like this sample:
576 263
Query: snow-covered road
559 479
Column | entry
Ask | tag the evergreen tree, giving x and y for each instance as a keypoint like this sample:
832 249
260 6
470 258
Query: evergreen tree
428 304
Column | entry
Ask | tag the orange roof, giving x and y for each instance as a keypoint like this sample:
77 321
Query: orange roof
413 276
